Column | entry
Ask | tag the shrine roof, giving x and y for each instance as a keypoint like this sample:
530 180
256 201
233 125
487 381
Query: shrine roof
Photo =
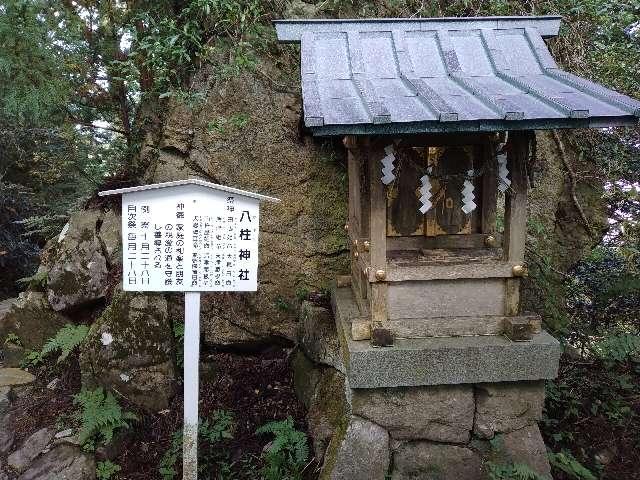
189 181
399 76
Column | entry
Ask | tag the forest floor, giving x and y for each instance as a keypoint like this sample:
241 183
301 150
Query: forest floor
238 393
592 412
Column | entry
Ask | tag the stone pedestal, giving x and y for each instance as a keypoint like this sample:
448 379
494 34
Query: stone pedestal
433 409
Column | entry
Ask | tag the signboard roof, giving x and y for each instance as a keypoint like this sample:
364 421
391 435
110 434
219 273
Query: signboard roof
190 181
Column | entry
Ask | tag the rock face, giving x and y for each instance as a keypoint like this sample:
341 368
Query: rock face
31 319
428 461
322 390
109 233
5 400
63 462
78 276
505 407
327 410
30 449
361 454
441 414
318 337
246 135
7 435
130 349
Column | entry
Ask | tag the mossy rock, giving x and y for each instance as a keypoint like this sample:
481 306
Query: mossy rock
303 244
28 323
77 275
130 348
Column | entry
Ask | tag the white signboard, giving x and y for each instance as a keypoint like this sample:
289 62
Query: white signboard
189 238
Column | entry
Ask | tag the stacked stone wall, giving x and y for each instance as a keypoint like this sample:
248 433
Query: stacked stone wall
441 432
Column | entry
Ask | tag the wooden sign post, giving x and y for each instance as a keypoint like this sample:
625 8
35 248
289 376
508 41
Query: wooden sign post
189 236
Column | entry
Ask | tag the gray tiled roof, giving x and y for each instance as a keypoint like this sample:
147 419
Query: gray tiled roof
443 74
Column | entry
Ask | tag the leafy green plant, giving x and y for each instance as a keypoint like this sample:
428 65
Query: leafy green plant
66 340
239 120
178 335
106 470
282 304
512 471
37 281
568 464
617 348
220 125
217 428
32 358
12 339
286 456
166 467
99 417
302 293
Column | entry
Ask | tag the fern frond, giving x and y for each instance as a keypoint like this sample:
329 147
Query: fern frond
66 341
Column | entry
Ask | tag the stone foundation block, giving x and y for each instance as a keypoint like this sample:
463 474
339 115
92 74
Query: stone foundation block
505 407
442 413
526 446
440 361
428 461
361 452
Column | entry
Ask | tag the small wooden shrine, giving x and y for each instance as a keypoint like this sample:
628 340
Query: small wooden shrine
438 116
427 256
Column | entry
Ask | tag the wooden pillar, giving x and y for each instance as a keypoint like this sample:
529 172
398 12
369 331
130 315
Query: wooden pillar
489 189
380 332
357 232
515 216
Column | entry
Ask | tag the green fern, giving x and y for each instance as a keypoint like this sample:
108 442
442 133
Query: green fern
106 470
512 471
32 358
12 339
66 340
99 417
37 281
617 348
215 429
568 464
286 456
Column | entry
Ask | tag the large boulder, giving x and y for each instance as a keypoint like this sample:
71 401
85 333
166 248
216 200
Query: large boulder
109 233
246 135
31 320
428 461
63 462
441 413
322 390
30 449
130 349
77 274
360 452
318 337
7 434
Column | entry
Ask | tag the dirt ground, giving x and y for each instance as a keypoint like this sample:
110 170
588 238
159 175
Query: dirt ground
255 388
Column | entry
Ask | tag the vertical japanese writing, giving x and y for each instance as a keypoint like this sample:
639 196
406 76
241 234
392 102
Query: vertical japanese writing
132 245
179 245
190 241
145 248
244 252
